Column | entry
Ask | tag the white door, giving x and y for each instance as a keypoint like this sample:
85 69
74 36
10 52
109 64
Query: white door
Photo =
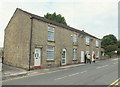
63 60
37 57
98 54
82 56
92 55
87 52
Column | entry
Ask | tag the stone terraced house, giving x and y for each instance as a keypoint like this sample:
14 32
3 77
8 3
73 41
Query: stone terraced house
33 42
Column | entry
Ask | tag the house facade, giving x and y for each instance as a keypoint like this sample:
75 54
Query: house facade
33 42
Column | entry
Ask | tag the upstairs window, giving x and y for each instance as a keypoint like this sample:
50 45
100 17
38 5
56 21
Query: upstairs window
74 54
51 31
87 41
50 53
97 43
74 39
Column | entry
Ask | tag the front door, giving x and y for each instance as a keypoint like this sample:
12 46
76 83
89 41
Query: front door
63 60
87 52
92 55
37 57
82 57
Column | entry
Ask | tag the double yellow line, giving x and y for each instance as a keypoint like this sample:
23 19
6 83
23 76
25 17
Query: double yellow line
115 83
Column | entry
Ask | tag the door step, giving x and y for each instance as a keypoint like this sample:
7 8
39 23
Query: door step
37 67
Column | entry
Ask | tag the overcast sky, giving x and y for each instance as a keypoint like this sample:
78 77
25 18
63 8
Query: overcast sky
97 17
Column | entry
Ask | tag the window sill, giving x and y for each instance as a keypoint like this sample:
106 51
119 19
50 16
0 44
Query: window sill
87 45
51 41
50 60
75 44
74 60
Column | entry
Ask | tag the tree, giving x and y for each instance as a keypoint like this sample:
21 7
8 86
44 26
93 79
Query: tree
118 44
110 44
118 49
57 18
108 40
110 49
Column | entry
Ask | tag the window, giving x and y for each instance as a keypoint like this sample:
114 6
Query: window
74 38
97 43
50 53
74 54
87 41
51 33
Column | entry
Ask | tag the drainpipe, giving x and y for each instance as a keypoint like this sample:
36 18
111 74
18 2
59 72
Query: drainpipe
30 44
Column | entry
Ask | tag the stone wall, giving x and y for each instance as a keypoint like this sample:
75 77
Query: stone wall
16 41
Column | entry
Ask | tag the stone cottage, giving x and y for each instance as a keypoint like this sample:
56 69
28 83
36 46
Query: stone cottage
33 42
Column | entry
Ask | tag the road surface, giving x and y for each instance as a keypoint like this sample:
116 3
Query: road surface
103 72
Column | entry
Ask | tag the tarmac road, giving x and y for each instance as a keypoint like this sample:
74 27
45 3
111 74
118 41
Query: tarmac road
103 72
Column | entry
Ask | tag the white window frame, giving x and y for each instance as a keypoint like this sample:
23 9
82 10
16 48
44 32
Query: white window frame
50 50
87 40
97 43
51 30
74 54
74 38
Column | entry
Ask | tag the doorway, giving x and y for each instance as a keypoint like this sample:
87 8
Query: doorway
37 58
82 57
63 60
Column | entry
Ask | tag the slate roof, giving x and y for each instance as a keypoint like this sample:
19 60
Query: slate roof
56 24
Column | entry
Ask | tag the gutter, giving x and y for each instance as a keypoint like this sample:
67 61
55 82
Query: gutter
30 44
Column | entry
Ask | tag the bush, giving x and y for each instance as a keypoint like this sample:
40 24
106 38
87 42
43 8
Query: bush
110 49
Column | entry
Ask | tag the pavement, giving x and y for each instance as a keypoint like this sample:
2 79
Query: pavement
9 72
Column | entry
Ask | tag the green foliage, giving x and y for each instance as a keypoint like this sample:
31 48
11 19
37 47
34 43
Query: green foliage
118 49
111 48
108 40
118 43
57 18
110 54
110 44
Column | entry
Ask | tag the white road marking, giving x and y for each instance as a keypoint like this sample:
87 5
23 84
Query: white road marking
83 72
77 73
115 63
97 61
114 59
105 65
74 74
98 67
101 66
69 75
60 78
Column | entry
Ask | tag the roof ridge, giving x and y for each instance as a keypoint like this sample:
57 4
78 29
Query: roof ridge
55 23
33 15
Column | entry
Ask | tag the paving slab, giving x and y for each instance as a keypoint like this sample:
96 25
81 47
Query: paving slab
10 71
